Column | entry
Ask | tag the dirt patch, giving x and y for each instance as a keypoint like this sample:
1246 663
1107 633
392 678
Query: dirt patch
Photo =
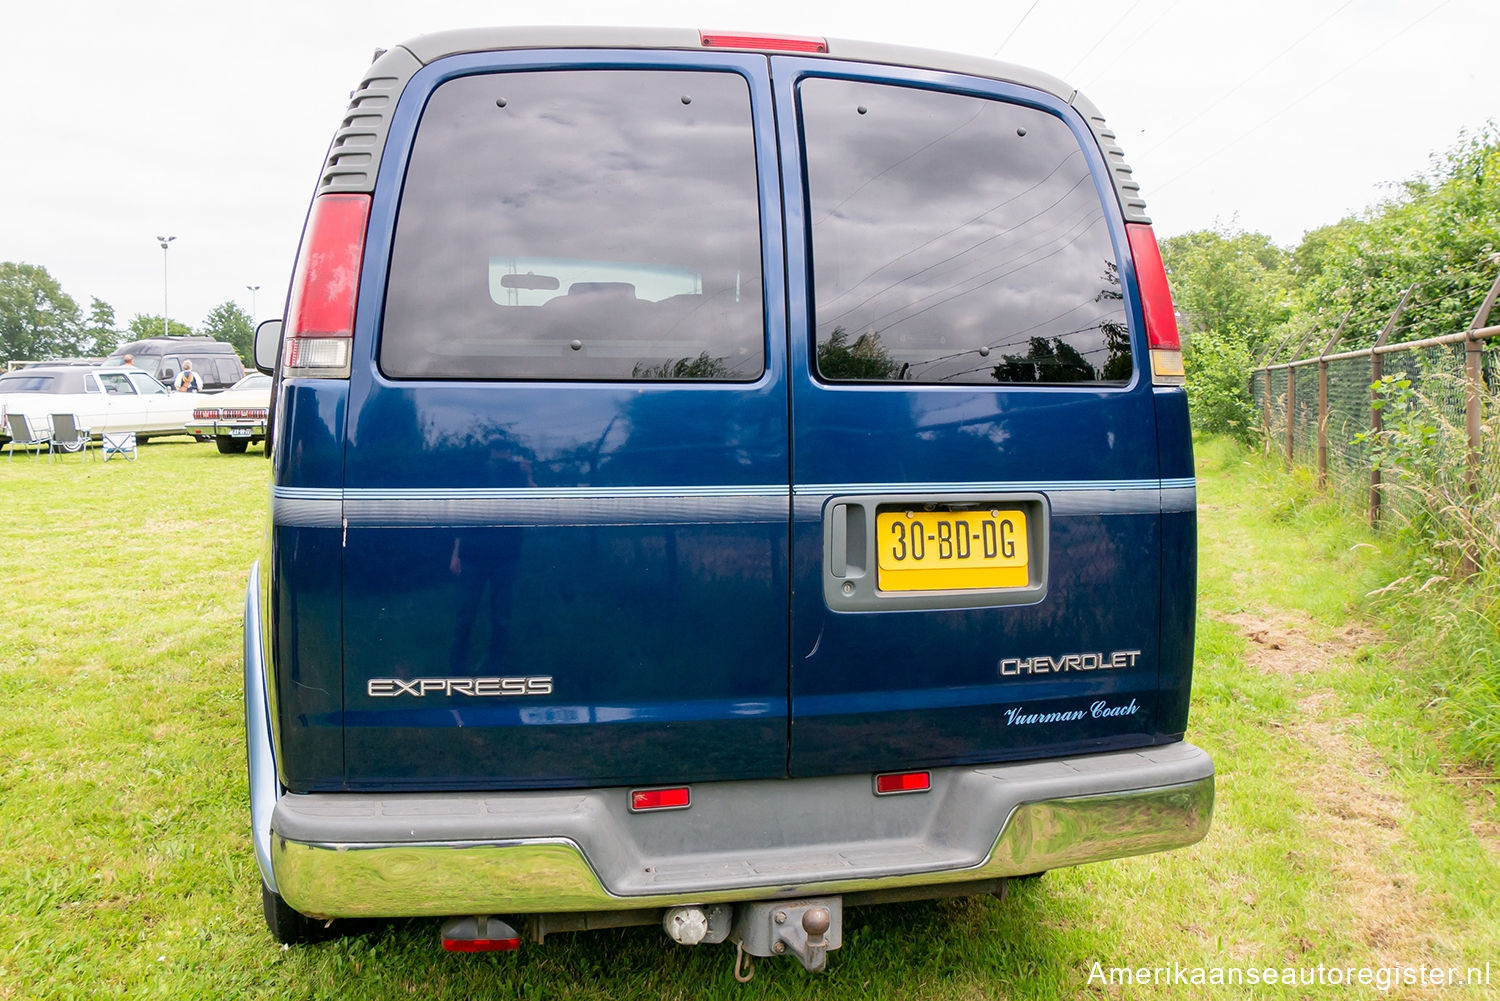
1483 807
1353 802
1285 644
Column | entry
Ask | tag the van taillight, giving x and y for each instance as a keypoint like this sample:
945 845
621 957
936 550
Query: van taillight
325 286
1156 303
772 43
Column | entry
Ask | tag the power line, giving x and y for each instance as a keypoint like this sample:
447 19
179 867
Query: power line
1128 11
1253 74
1246 133
1130 45
1017 27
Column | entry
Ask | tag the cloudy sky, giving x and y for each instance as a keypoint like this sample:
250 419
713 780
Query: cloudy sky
122 122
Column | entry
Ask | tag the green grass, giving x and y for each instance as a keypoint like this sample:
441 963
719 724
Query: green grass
1342 835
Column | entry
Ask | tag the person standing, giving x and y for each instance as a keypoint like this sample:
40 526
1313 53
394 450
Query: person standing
187 380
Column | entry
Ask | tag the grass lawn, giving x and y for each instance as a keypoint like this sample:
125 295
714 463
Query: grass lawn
1344 833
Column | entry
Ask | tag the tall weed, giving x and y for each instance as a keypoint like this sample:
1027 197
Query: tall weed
1448 515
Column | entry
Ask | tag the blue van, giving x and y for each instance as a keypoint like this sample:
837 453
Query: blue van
717 479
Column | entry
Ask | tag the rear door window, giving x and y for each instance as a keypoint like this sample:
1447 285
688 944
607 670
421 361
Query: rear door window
956 239
116 384
227 371
590 225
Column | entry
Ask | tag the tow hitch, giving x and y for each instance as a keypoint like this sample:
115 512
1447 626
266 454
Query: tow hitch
807 929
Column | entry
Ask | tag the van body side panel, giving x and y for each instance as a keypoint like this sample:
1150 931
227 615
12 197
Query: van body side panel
930 682
306 572
1179 560
558 581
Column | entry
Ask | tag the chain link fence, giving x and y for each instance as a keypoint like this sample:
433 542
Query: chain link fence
1321 411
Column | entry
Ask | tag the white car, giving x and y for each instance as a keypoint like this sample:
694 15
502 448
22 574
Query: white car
103 399
236 418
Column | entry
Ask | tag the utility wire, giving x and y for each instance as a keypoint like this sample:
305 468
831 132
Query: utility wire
1017 27
1246 133
1239 86
1129 46
1128 11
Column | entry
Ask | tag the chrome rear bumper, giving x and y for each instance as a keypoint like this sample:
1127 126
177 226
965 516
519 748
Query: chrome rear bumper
356 855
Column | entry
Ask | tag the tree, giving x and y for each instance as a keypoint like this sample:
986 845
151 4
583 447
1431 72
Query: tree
144 325
101 332
229 323
1230 282
865 359
1435 234
38 320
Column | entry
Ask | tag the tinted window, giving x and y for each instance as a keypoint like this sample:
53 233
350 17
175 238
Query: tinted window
579 225
27 384
956 240
227 371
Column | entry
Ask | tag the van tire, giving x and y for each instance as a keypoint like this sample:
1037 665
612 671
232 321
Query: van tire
288 926
232 446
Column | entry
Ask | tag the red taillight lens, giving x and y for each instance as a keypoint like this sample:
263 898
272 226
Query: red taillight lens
660 799
481 944
205 415
894 782
246 414
1156 302
774 43
325 287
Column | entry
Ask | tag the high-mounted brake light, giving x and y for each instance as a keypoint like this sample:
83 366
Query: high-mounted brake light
660 799
325 287
771 43
898 782
1156 302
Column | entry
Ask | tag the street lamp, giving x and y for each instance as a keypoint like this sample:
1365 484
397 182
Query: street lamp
253 289
164 240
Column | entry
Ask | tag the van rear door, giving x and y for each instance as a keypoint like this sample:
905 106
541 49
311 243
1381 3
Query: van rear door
977 543
566 498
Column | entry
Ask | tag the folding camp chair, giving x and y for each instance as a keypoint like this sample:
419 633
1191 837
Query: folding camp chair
23 434
118 443
69 436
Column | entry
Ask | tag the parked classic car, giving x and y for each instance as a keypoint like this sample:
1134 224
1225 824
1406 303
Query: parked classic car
104 399
236 418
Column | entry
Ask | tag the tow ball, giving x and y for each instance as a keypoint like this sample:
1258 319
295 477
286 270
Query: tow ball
806 929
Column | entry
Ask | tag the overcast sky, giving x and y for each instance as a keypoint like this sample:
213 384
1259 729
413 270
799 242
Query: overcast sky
124 121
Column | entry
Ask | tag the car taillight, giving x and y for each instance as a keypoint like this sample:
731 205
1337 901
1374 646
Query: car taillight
892 783
660 799
1156 302
325 287
246 413
205 415
773 43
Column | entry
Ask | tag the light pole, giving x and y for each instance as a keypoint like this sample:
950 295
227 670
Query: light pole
164 240
253 289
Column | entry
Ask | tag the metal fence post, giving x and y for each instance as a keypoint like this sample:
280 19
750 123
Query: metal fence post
1268 410
1473 416
1377 372
1377 424
1323 402
1291 399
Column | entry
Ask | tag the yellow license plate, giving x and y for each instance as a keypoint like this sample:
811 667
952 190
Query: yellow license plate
951 550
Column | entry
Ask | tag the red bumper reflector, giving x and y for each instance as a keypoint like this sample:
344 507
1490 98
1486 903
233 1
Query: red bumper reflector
481 944
775 43
895 782
660 799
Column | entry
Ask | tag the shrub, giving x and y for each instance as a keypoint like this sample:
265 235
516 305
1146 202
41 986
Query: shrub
1218 391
